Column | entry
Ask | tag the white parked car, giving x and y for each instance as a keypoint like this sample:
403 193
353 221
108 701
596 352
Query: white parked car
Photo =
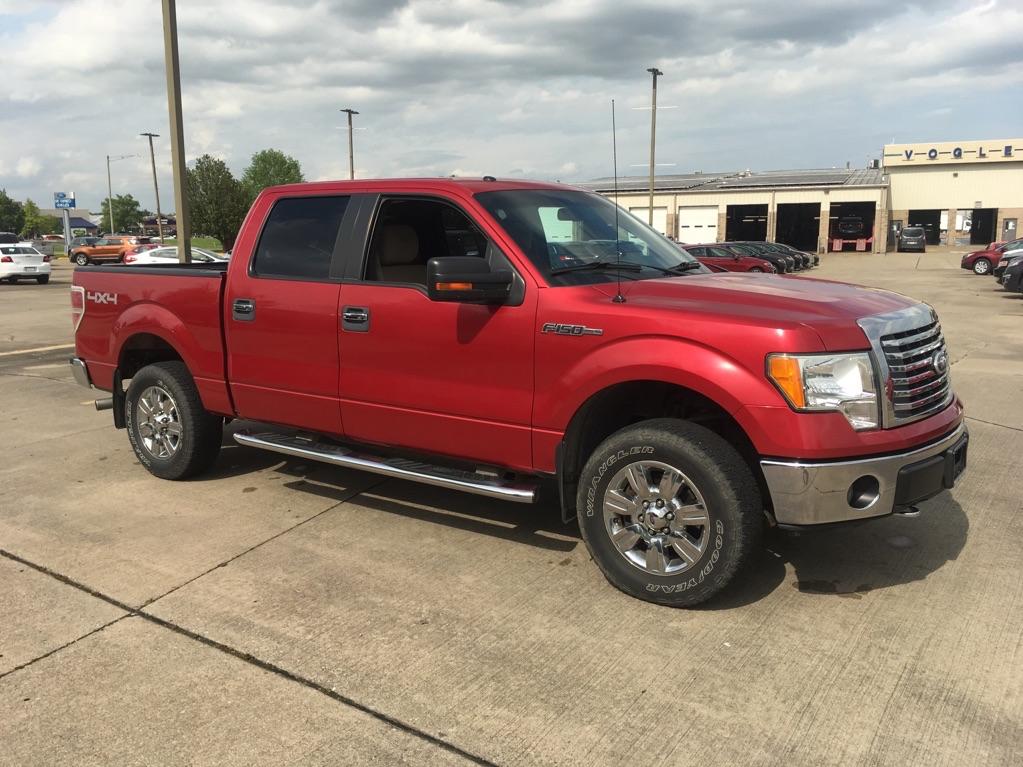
169 255
23 262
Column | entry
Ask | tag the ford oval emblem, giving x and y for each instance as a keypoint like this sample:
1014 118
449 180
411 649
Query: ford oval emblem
940 362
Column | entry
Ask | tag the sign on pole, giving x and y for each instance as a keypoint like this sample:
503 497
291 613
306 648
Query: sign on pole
62 201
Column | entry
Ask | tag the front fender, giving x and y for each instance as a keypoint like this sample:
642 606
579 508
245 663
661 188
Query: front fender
705 370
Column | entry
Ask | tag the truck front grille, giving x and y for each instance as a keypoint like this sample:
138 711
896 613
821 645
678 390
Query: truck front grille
918 367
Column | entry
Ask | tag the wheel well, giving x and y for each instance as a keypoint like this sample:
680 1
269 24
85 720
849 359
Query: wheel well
141 350
624 404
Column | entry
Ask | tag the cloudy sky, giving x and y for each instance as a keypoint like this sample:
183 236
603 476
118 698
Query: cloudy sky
519 88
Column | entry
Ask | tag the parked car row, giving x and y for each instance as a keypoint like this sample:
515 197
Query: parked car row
1003 260
769 257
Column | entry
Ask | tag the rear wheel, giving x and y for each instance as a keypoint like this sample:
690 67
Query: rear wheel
170 431
669 511
81 259
981 266
43 279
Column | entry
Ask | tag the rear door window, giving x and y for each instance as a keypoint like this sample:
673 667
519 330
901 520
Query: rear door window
299 237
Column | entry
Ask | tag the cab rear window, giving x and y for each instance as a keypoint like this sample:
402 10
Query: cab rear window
298 239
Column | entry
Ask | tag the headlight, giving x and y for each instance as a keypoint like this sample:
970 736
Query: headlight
828 382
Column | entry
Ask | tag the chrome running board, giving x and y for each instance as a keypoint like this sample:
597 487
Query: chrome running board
397 468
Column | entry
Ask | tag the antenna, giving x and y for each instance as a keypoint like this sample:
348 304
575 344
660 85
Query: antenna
619 298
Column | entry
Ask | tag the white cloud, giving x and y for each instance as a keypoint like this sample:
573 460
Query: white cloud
484 86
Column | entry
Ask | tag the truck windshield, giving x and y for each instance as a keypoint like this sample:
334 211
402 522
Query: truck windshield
563 231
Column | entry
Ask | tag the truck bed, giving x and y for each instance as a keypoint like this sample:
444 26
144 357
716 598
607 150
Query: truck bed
178 305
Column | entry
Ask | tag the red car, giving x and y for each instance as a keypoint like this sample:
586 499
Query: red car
984 261
507 338
727 260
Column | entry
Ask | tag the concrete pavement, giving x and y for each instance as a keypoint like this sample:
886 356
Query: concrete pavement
277 612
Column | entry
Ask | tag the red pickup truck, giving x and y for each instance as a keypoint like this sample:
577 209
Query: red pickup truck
513 338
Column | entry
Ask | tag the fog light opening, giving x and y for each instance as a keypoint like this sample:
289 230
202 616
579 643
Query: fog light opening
864 492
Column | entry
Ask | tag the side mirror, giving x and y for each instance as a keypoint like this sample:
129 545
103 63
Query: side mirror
466 279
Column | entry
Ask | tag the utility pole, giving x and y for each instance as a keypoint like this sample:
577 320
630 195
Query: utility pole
655 73
177 134
156 186
110 188
351 143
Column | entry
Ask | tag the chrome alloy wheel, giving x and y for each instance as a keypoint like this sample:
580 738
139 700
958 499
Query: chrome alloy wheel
158 421
656 517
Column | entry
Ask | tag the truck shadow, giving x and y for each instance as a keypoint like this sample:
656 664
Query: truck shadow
852 561
846 562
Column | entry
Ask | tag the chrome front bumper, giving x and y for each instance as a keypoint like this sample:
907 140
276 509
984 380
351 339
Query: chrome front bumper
80 372
806 493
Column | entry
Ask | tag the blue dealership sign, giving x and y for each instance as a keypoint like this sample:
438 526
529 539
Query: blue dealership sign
61 200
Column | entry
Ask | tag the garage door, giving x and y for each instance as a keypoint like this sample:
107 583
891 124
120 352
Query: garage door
660 217
698 224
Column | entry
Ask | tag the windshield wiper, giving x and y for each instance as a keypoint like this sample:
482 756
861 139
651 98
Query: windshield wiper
684 266
625 266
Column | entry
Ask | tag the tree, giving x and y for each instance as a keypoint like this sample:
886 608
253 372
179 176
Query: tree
127 212
12 216
36 223
270 167
216 199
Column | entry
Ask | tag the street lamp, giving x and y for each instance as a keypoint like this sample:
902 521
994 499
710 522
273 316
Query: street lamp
110 188
655 73
351 147
156 186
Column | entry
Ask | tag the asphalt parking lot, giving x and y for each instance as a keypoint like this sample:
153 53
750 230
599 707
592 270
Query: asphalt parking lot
279 612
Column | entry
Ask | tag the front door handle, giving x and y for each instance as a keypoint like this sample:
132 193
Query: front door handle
243 309
355 318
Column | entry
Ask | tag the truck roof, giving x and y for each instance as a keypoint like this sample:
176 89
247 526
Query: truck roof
471 185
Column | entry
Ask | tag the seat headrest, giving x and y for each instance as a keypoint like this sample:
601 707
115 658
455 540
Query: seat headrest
399 245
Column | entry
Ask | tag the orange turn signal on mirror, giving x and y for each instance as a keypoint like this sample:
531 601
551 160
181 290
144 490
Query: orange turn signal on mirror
784 371
454 286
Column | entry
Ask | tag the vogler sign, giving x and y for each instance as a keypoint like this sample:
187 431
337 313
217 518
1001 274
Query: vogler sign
1007 150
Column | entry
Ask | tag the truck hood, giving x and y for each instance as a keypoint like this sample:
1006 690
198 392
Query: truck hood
828 308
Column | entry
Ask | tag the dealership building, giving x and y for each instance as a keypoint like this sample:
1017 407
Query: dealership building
974 187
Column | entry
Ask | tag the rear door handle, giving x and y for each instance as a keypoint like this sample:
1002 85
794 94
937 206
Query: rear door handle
355 319
243 309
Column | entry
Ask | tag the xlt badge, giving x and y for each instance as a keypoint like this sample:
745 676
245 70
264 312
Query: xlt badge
562 329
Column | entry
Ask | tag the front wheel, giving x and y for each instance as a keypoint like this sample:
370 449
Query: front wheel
172 434
669 511
756 269
981 266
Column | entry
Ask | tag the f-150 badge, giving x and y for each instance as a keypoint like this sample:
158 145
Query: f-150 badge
561 329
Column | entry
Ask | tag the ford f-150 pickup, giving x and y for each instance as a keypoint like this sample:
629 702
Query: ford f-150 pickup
512 339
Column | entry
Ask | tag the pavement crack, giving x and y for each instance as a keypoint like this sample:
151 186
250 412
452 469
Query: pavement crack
992 423
275 536
64 646
252 660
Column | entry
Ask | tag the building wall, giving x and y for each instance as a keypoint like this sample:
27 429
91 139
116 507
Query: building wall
963 187
722 198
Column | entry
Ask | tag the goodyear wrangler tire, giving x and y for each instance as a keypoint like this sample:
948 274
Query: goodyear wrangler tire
172 434
669 511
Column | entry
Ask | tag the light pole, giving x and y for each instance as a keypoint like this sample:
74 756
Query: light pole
351 146
182 216
655 73
110 188
156 186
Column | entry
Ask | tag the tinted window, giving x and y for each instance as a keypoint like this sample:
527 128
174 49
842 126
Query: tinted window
298 238
913 231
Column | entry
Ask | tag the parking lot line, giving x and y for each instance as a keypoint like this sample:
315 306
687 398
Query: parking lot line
37 349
